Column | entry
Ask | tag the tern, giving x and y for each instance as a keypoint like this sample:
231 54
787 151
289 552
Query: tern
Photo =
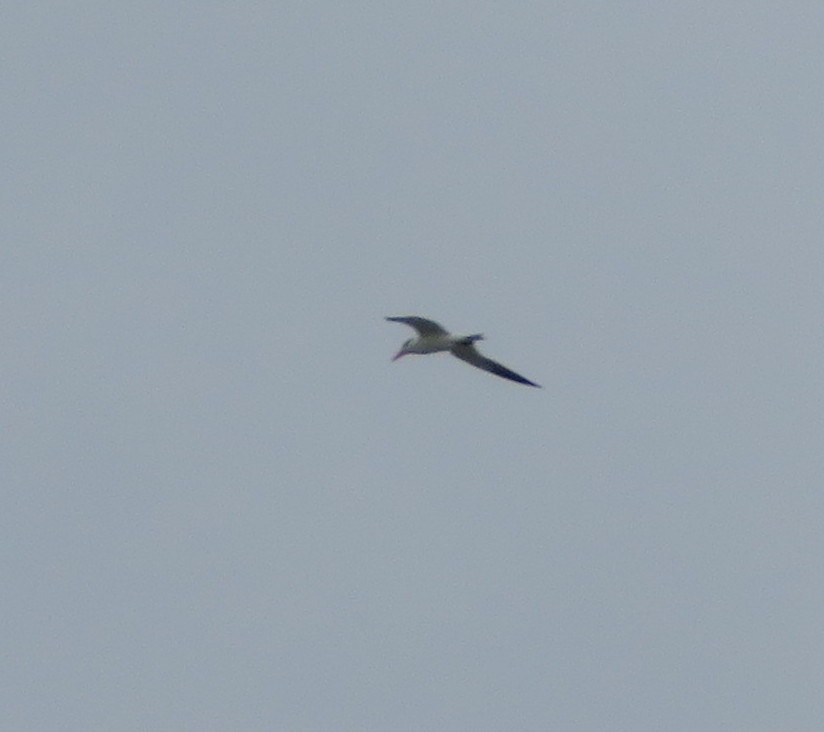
434 338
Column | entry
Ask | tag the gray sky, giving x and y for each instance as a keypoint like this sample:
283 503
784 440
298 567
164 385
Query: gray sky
225 509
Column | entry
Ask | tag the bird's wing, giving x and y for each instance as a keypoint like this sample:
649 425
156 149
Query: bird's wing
467 352
422 325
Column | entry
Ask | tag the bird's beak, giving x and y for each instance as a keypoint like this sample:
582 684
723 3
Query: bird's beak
399 354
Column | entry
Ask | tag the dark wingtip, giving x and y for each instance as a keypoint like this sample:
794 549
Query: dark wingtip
521 380
508 374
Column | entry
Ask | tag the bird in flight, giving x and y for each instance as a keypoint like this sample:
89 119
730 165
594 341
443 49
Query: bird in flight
433 338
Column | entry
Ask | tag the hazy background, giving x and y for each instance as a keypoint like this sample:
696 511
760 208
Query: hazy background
224 509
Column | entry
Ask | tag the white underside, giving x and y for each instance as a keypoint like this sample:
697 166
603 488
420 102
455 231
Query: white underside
433 344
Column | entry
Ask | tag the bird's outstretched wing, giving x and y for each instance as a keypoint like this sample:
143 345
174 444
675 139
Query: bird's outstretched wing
467 352
424 326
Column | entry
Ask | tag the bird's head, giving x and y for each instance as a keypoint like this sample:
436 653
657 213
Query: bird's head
403 350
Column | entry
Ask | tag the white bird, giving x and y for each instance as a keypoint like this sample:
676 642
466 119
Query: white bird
433 338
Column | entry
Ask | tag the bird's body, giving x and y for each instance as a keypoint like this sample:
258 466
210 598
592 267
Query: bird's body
431 344
433 338
437 343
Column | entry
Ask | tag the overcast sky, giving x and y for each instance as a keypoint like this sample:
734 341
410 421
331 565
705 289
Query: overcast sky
225 509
